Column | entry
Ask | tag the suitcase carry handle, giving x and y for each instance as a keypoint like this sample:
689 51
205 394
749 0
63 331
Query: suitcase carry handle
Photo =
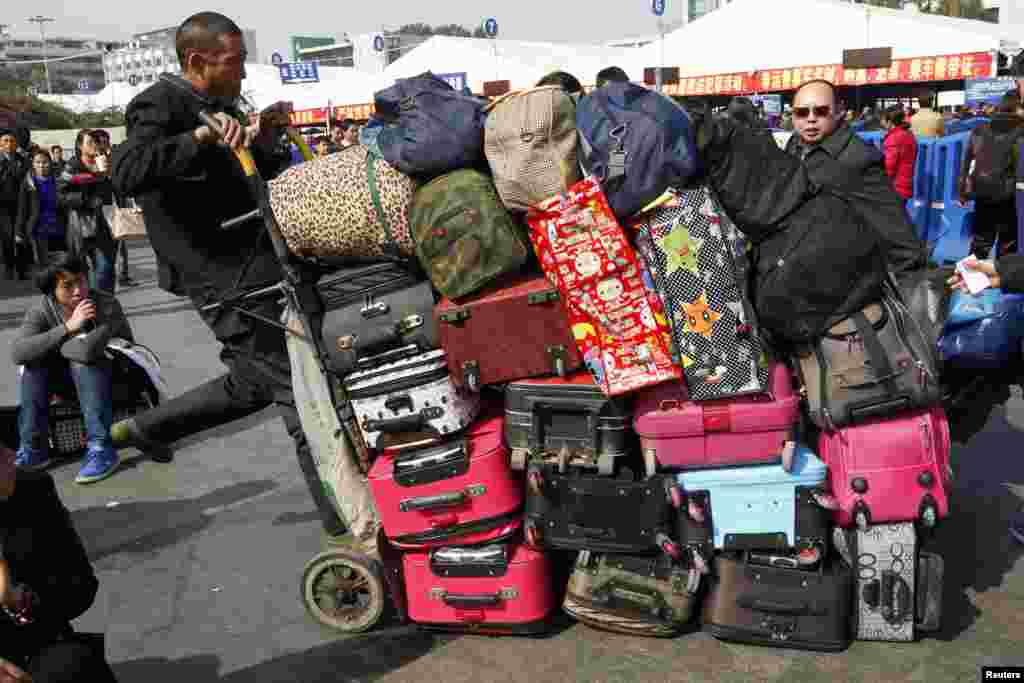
472 599
442 500
389 356
640 598
590 531
795 609
882 409
406 423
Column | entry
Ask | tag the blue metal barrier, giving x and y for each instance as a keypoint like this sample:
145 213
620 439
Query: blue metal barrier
950 224
919 205
874 137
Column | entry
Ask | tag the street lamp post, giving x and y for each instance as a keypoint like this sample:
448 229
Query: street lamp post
42 21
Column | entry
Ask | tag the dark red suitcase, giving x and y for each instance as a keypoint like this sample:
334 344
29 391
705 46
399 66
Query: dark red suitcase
514 330
459 493
497 589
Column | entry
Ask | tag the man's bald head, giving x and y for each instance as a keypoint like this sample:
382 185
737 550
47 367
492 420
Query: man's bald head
815 111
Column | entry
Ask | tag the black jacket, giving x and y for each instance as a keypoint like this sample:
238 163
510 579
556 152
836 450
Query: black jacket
84 194
832 162
43 551
12 172
816 259
186 192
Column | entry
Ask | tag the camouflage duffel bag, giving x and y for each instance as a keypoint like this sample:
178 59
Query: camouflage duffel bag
349 205
465 238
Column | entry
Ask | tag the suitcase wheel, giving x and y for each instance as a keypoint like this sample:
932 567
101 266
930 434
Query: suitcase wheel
861 517
670 547
344 590
695 511
929 515
788 450
532 534
535 481
808 557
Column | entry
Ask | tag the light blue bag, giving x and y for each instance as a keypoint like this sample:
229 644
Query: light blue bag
757 507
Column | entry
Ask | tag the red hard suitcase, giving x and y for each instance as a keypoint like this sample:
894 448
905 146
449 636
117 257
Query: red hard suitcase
512 331
497 589
745 430
458 493
891 470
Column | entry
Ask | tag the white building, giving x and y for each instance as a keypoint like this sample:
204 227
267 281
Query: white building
66 76
358 51
152 53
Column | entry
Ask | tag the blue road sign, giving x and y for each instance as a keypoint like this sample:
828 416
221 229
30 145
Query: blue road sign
276 59
658 7
491 27
299 72
84 85
378 43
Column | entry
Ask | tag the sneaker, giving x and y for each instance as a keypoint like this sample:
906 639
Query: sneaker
125 434
1017 527
32 459
99 464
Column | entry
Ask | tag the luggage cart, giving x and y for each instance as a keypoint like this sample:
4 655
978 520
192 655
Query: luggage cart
342 589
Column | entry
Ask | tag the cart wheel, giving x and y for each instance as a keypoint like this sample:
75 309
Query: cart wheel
344 591
535 481
532 535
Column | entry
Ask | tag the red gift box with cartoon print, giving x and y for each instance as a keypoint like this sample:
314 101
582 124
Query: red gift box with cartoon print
617 317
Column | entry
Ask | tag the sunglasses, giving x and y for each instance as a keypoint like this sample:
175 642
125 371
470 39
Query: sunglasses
821 111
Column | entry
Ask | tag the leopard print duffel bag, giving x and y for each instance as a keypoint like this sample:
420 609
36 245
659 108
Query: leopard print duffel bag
347 205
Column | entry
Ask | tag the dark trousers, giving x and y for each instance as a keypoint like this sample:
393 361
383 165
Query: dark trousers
994 220
259 374
8 255
70 662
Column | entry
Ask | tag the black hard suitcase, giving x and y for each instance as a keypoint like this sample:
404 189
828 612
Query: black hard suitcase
759 604
371 310
571 416
577 511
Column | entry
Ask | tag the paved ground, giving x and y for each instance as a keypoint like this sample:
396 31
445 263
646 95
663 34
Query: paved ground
199 563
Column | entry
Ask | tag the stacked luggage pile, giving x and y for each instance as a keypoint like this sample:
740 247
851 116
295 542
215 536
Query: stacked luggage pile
592 379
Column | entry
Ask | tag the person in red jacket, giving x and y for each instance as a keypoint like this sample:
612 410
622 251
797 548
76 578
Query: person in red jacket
900 148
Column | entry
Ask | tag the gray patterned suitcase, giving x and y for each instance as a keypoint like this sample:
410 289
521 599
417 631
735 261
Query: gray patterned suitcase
698 261
409 402
898 587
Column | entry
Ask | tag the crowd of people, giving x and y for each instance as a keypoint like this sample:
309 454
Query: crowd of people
50 205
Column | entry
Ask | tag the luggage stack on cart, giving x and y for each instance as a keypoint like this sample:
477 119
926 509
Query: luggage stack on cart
555 357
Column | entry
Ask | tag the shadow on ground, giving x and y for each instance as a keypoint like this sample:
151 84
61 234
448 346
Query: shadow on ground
362 658
974 540
145 527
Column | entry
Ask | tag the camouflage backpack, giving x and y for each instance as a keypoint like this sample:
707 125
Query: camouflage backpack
464 236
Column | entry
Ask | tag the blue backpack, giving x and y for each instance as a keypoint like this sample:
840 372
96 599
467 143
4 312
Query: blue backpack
432 129
637 142
983 331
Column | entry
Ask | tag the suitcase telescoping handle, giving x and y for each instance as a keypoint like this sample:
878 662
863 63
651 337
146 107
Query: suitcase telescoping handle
472 600
592 407
441 500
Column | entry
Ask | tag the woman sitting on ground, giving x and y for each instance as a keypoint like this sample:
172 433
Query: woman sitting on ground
46 580
57 357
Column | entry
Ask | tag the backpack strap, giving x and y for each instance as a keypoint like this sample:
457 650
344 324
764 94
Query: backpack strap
880 365
390 247
617 159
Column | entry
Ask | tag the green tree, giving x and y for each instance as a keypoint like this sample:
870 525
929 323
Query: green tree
417 29
452 30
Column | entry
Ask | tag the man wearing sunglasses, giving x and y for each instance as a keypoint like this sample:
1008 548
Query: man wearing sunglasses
834 155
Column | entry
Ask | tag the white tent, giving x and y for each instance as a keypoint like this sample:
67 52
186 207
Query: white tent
522 63
754 35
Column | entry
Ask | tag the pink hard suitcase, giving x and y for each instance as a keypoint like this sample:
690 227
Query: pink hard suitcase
744 430
891 470
502 588
459 493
